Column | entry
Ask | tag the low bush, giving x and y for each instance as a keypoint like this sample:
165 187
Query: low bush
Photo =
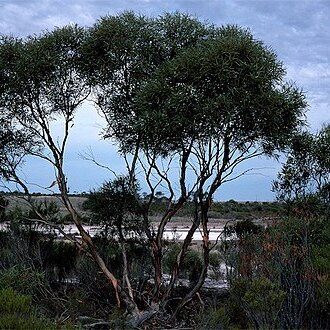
23 280
17 312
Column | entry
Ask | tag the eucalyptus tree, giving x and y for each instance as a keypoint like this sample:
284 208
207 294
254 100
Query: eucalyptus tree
187 103
41 90
126 50
215 106
115 209
307 168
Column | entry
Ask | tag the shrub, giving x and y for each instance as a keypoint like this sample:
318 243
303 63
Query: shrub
192 263
215 262
17 312
58 259
215 319
260 299
22 280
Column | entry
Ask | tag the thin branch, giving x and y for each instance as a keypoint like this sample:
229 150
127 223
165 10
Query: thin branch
89 156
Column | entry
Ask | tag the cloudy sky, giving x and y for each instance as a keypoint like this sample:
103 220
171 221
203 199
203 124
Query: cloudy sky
297 30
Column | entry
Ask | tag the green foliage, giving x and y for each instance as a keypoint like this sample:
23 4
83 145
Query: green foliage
262 309
229 314
139 260
94 296
119 67
321 245
215 259
307 169
215 319
23 280
227 210
241 253
246 228
130 34
304 184
40 82
138 257
191 265
170 256
11 302
4 249
178 32
28 251
118 319
138 46
281 273
175 88
115 207
17 312
219 89
86 301
323 294
46 209
15 141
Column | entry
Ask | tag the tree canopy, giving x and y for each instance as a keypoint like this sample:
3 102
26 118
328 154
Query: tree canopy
229 87
306 171
125 51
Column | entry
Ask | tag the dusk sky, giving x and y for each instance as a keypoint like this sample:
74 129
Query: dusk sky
298 31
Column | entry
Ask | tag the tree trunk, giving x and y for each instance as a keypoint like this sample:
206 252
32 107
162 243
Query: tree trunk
157 263
179 260
86 238
206 258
